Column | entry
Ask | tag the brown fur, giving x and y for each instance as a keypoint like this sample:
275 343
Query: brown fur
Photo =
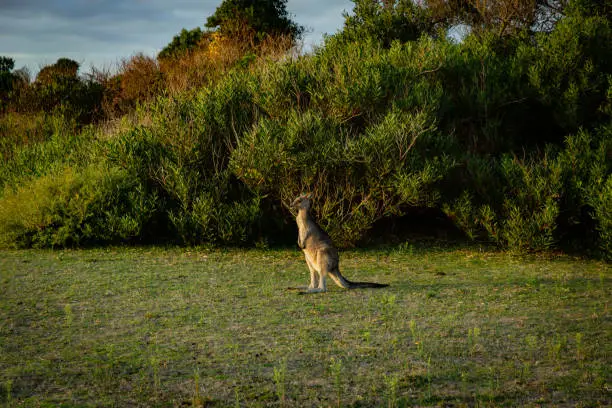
321 255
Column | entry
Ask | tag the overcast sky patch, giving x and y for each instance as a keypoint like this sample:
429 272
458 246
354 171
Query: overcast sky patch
102 32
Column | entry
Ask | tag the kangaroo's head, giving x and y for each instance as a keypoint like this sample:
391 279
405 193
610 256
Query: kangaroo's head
303 202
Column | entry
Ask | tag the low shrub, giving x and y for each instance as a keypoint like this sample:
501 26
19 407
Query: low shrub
18 130
526 218
182 154
68 208
61 144
560 198
601 201
356 179
586 161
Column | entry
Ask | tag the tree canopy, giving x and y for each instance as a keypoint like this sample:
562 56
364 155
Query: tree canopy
64 69
502 16
6 64
385 21
264 17
182 42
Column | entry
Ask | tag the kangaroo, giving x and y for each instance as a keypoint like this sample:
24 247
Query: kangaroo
321 255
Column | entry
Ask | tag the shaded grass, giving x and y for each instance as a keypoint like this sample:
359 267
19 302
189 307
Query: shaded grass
197 327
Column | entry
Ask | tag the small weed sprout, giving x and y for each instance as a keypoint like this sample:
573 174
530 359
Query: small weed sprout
236 398
554 348
392 382
405 248
395 343
388 303
525 372
335 367
532 345
154 365
68 315
493 383
280 374
474 340
197 399
417 338
105 366
429 392
9 388
464 382
580 349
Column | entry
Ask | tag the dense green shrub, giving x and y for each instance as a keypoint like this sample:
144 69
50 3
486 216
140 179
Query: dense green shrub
96 205
569 70
182 158
526 217
601 201
586 161
561 196
486 103
55 142
529 212
506 94
356 178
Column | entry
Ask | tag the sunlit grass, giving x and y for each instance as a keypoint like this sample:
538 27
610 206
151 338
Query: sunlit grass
171 327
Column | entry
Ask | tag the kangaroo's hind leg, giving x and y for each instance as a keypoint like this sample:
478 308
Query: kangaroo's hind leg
318 274
314 277
317 277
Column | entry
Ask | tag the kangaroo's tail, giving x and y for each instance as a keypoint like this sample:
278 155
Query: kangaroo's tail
347 284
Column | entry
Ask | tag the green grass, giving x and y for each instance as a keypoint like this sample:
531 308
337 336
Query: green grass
195 327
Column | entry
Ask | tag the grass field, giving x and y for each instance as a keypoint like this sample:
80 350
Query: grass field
196 327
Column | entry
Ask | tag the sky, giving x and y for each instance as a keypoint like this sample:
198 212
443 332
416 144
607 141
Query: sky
100 33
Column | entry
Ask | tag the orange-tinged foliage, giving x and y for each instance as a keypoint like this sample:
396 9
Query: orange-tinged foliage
215 55
139 80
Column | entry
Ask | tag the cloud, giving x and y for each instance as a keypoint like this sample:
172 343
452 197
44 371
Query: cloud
37 32
102 32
